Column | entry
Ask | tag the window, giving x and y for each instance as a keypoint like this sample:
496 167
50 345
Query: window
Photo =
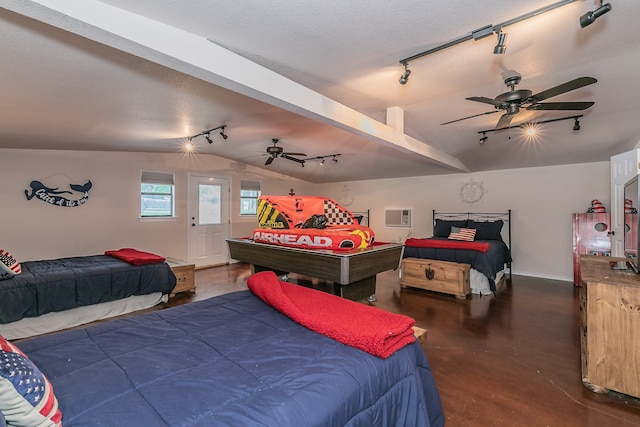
156 194
249 193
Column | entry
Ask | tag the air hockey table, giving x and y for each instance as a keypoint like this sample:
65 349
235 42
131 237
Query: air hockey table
353 272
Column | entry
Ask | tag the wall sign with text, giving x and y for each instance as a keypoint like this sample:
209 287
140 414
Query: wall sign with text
57 195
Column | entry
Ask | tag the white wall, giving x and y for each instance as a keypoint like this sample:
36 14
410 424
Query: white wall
541 199
33 229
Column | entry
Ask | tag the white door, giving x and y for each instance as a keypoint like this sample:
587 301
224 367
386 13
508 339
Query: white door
209 220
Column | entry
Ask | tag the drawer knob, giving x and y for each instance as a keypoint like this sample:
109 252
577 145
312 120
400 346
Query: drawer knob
182 279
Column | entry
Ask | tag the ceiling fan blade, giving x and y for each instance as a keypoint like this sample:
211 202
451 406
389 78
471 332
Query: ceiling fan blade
485 100
269 161
469 117
505 121
561 106
565 87
295 154
286 156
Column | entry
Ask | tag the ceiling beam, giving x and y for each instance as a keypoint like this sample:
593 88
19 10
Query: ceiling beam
196 56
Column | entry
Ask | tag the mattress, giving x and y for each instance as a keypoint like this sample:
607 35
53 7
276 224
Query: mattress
61 284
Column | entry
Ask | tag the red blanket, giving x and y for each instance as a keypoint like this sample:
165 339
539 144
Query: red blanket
367 328
135 257
447 244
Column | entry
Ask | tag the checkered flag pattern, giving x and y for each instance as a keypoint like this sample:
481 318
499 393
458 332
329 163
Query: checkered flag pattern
335 214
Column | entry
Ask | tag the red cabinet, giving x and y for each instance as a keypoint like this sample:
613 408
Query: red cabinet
591 236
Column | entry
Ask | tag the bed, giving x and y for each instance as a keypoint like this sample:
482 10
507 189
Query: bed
492 231
54 294
231 360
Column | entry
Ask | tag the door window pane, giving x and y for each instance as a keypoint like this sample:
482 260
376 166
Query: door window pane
209 209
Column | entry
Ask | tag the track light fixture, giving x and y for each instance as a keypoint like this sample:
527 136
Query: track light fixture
207 134
590 17
405 77
487 30
322 159
501 47
531 128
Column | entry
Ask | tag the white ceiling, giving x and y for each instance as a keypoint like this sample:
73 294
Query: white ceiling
143 75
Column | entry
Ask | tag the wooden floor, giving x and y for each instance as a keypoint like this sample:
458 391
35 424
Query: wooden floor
511 360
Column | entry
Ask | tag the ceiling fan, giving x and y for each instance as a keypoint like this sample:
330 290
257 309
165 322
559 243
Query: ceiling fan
276 151
514 99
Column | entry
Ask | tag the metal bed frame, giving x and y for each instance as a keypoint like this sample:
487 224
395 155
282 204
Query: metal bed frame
479 216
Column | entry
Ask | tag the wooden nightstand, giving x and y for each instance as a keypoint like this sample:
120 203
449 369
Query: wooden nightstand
185 280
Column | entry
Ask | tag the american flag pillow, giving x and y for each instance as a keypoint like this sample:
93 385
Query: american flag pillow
9 266
458 233
26 396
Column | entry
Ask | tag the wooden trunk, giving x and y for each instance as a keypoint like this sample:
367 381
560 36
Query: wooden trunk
610 327
185 275
439 276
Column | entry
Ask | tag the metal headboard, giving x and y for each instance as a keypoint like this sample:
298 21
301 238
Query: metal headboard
480 216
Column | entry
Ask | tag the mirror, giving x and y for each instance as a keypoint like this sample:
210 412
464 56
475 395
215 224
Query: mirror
631 218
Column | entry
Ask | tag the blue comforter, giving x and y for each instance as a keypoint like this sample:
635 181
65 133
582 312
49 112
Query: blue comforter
488 263
229 361
61 284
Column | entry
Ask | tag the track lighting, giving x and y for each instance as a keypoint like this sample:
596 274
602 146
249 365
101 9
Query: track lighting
207 134
590 17
405 77
501 47
322 159
531 128
487 30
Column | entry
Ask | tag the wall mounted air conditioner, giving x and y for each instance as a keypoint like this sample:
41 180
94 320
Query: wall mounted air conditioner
397 218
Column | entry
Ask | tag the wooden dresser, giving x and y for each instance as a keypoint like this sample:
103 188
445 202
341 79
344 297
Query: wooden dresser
610 327
185 275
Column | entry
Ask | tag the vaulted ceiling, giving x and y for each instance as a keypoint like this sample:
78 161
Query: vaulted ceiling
321 77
